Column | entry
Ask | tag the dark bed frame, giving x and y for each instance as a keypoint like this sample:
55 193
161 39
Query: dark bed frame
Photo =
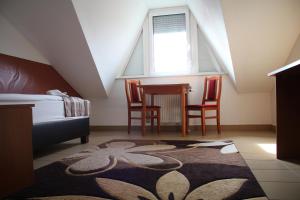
49 133
29 77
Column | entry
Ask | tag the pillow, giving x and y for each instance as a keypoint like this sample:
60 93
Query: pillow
57 93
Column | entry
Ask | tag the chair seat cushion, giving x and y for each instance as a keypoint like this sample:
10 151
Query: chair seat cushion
198 107
147 107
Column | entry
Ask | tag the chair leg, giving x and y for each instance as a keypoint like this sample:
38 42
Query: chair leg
152 113
152 119
158 121
187 121
218 121
129 122
203 121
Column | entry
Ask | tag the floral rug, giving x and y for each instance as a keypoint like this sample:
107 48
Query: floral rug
148 170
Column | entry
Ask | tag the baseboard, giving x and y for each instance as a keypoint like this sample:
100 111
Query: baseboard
244 127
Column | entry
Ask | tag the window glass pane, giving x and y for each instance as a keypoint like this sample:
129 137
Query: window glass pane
170 45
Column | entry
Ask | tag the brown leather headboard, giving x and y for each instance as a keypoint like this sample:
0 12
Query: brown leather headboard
28 77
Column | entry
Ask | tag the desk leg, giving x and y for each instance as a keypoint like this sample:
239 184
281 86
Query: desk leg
152 112
144 114
183 119
186 114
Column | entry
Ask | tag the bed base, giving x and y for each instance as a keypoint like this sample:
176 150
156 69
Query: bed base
84 139
49 133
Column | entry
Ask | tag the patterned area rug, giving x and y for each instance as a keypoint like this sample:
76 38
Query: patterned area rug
148 170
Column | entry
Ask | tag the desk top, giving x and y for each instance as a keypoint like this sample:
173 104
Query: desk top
177 88
166 85
282 69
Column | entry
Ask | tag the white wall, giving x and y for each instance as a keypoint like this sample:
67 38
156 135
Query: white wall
135 65
111 28
249 108
295 53
206 58
273 104
14 44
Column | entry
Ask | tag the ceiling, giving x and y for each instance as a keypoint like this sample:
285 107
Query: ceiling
90 43
261 35
151 4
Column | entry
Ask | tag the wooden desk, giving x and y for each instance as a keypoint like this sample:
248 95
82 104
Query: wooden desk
166 89
288 111
15 148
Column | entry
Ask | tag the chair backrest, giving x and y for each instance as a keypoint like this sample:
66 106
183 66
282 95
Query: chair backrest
212 90
133 92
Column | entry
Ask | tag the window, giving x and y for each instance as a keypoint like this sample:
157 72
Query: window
169 42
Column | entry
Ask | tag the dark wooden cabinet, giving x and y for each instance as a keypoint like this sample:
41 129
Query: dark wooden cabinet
16 167
288 111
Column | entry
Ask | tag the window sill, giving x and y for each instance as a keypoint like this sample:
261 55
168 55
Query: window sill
166 76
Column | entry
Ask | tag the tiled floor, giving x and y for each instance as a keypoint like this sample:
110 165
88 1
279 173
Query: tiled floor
279 179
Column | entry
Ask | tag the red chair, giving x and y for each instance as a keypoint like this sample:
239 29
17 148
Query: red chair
210 101
135 104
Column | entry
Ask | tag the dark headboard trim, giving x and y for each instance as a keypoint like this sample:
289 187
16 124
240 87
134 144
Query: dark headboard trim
23 76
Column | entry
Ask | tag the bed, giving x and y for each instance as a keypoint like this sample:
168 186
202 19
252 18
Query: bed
50 126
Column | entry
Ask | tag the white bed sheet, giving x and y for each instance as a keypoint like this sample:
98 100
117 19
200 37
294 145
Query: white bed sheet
46 107
7 97
63 119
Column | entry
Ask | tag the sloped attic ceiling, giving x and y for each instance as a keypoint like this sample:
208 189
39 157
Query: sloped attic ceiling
261 35
89 43
53 28
209 16
152 4
111 28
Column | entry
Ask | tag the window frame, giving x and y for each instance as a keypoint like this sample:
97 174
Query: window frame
148 54
149 68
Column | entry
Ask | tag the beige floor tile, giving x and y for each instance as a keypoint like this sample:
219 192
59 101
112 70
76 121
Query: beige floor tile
245 142
74 149
52 157
258 156
41 163
276 175
266 164
249 148
296 172
292 164
282 191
